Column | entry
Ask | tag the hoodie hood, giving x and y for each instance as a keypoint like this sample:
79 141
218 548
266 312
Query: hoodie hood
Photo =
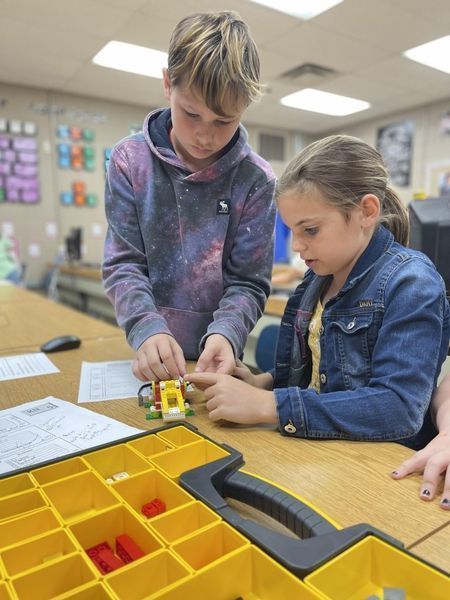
158 141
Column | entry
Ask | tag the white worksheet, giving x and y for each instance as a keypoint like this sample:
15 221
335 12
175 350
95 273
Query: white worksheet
26 365
50 428
107 381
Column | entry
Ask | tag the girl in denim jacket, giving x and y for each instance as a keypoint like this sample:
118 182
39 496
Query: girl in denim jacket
363 337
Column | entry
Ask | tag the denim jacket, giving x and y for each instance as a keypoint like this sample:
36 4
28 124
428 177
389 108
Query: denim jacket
383 340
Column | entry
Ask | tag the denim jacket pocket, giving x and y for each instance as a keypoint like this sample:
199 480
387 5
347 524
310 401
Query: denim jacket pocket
352 348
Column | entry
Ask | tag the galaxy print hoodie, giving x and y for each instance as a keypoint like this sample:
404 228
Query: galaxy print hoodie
188 254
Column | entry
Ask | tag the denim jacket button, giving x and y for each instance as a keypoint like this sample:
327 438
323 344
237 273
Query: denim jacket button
323 378
290 428
351 324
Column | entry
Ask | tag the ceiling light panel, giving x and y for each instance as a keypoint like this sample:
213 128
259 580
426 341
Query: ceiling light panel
131 58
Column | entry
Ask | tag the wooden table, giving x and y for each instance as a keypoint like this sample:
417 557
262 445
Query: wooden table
81 287
349 481
10 294
28 320
276 304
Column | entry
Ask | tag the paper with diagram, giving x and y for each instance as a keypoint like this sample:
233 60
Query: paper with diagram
111 380
50 428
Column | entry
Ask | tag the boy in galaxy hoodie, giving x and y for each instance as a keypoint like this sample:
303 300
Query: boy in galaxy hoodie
189 247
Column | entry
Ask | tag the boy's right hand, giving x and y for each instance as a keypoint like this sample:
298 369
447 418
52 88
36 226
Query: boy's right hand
159 358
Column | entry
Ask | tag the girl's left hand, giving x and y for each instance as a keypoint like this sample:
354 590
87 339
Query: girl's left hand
217 356
233 400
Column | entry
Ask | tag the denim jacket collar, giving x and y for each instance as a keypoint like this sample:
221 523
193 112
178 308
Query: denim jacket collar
380 242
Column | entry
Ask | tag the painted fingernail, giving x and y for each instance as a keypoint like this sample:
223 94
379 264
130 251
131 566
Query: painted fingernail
445 502
425 492
394 472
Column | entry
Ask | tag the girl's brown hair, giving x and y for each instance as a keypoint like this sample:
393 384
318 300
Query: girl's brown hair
344 169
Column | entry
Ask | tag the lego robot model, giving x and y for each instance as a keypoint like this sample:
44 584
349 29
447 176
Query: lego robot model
166 400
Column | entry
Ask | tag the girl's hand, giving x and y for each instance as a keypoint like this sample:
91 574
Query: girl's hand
217 356
159 358
433 461
263 381
233 400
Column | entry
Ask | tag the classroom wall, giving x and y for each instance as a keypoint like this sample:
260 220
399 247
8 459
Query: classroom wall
430 148
40 228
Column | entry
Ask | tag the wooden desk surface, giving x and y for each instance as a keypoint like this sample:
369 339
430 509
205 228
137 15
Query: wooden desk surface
275 305
32 321
348 481
81 271
435 548
10 294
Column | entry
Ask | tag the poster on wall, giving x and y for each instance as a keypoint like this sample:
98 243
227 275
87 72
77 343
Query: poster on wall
394 142
438 179
444 124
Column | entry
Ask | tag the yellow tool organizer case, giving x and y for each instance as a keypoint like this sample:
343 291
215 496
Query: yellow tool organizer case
149 517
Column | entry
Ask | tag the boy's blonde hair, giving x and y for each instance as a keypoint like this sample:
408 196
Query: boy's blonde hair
344 169
215 54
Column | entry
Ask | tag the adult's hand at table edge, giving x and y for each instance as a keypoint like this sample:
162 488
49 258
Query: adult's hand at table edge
434 462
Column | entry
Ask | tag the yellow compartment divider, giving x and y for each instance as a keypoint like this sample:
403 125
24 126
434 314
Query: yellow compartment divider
195 546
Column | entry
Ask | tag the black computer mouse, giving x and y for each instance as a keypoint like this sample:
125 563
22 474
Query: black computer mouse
60 343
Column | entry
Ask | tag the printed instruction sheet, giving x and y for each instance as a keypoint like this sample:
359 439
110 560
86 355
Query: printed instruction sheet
26 365
50 428
107 381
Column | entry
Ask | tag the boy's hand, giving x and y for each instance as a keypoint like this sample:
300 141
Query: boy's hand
233 400
434 461
217 356
159 358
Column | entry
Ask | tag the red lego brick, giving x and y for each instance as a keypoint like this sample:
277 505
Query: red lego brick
104 558
160 505
153 508
94 550
127 548
107 561
149 510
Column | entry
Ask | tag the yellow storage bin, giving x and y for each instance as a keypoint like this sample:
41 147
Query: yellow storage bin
107 525
175 462
145 487
38 552
15 485
53 579
371 565
247 574
80 496
209 545
5 592
150 445
147 577
27 526
91 591
183 521
59 470
17 504
116 459
179 436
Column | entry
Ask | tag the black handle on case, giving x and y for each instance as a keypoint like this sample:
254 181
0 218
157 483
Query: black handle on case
220 479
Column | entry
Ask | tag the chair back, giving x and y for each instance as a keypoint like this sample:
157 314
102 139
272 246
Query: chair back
266 347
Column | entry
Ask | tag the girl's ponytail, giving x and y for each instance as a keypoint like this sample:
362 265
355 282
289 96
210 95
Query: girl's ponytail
394 216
